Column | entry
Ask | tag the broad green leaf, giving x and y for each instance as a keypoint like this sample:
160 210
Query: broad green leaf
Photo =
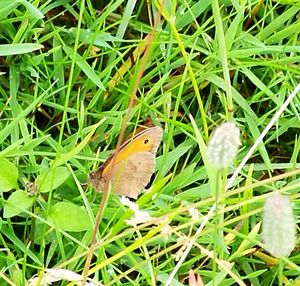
234 30
17 203
69 217
8 175
17 49
52 178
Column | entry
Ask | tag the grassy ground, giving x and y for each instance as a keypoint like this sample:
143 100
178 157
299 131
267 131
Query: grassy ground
68 71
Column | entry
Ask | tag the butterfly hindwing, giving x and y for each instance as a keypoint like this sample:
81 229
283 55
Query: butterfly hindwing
131 176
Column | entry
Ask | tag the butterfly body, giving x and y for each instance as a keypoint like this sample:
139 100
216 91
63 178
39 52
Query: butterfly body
131 168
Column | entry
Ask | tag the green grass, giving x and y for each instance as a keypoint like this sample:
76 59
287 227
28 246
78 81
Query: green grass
68 71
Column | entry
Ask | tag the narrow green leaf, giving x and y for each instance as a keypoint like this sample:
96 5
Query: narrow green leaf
69 217
197 193
191 14
4 132
260 85
67 156
246 244
85 67
35 12
22 147
238 98
234 29
17 49
211 171
6 7
10 235
278 23
284 33
93 37
252 124
8 179
172 158
17 203
181 179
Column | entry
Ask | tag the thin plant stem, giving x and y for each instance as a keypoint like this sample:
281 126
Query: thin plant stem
280 272
120 139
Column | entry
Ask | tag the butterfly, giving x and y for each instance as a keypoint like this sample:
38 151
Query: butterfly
133 165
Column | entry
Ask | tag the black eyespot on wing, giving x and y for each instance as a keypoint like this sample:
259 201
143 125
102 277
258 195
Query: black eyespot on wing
146 141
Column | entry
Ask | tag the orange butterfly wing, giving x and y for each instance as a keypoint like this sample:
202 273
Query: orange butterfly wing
133 166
